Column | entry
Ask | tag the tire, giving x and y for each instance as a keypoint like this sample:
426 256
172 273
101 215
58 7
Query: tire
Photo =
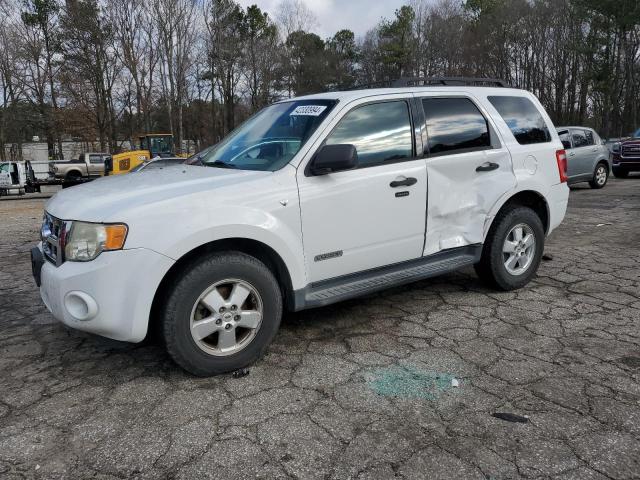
620 173
491 268
185 306
600 176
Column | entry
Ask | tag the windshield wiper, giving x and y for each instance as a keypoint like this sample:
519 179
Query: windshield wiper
220 164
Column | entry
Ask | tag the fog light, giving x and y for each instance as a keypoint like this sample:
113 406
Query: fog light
80 305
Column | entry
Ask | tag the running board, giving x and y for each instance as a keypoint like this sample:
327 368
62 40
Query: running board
354 285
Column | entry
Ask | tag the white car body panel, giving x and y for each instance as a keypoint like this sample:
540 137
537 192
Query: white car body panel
357 213
174 210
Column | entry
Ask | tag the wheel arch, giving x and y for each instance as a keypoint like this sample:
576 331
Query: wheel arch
526 198
604 162
255 248
74 172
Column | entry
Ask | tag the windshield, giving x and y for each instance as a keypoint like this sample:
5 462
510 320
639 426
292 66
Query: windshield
637 134
271 138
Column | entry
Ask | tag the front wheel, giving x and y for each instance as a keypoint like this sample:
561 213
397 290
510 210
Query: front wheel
222 313
600 176
513 249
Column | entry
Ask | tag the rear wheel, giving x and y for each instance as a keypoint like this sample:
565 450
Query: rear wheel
600 176
620 172
222 313
513 249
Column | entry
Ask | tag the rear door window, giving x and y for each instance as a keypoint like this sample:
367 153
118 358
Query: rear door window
454 125
523 119
579 138
589 135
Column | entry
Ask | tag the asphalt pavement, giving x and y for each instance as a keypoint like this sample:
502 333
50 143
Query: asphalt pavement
402 384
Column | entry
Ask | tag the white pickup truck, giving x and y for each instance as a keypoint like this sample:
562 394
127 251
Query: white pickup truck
87 167
311 201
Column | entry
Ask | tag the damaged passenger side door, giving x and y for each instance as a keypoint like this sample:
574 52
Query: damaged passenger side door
468 170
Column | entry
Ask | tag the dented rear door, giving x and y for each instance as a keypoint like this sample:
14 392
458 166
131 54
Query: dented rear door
468 169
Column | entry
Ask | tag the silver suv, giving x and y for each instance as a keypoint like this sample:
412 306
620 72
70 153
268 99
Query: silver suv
587 156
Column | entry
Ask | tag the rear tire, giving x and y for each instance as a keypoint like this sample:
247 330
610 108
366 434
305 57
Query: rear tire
201 300
600 176
512 250
620 172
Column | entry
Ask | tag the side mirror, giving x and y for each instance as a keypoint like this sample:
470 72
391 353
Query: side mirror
334 158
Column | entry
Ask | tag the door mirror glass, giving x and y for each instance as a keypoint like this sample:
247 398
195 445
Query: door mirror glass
334 158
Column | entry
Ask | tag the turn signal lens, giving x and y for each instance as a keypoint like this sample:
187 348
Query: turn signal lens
561 158
116 235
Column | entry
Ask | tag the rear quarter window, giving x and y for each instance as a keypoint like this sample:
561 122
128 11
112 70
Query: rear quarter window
523 119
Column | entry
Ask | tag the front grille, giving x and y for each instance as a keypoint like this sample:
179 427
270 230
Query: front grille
632 150
53 233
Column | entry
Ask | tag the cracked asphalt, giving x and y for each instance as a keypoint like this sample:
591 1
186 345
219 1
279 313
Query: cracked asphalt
564 352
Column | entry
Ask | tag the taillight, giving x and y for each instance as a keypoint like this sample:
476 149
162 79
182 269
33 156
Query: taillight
561 158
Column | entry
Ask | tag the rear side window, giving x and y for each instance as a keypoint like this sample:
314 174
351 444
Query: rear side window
454 125
381 132
95 159
523 119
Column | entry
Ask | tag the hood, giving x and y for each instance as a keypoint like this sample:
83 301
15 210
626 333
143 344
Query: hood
107 197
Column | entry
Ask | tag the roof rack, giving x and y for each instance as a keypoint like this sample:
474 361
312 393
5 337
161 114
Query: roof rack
434 82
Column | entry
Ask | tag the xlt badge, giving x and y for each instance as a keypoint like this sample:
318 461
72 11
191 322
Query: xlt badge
327 256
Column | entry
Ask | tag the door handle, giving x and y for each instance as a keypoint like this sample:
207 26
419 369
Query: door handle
572 154
487 167
403 182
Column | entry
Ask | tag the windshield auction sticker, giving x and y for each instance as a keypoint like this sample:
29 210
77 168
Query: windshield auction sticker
309 110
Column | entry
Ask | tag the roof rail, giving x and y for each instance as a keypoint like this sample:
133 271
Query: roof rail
434 82
450 81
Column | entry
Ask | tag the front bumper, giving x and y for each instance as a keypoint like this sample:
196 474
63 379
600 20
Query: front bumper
109 296
627 163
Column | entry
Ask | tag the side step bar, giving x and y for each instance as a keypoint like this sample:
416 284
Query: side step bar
335 290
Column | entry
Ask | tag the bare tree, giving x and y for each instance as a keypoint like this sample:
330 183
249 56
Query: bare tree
176 37
293 16
136 47
225 24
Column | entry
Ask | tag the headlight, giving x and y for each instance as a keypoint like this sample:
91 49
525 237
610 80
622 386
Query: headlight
85 241
616 147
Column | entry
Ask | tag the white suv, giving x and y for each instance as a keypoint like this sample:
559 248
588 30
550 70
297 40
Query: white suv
311 201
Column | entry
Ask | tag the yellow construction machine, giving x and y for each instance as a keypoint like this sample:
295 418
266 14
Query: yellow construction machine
151 146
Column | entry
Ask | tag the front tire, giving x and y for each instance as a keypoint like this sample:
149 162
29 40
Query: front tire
600 176
221 313
513 249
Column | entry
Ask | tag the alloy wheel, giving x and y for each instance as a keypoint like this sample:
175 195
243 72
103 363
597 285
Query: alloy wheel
519 249
226 317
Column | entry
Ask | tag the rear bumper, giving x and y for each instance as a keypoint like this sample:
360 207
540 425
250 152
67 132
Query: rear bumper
109 296
557 201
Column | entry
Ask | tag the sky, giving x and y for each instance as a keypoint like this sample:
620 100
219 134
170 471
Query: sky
333 15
